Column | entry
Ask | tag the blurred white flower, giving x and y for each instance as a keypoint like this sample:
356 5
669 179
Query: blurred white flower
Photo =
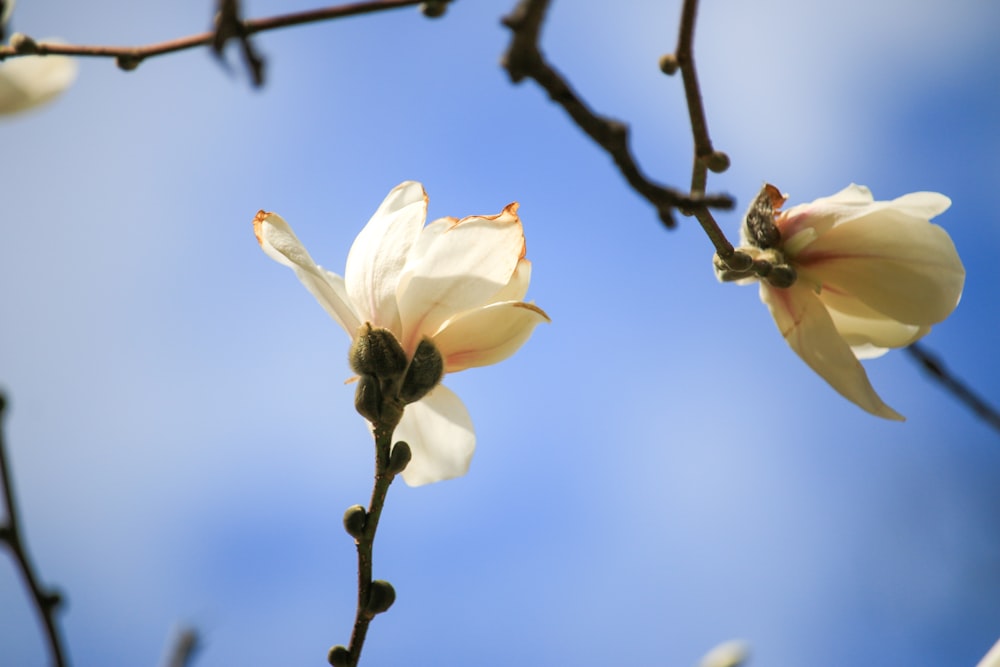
732 653
29 81
460 283
992 658
854 277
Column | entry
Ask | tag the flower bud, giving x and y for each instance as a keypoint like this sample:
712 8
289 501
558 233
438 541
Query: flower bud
717 162
368 398
782 275
354 521
433 9
377 352
339 656
399 458
425 371
669 64
380 597
759 221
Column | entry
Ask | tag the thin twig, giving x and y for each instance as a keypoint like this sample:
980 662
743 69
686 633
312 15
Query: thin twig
524 59
46 601
182 649
129 57
933 366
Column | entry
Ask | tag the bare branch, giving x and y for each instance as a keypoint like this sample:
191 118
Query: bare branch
46 601
933 366
524 59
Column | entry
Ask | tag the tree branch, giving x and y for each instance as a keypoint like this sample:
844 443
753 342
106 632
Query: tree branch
129 57
524 59
46 601
933 366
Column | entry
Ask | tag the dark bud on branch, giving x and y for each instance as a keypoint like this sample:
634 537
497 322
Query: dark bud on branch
669 64
424 373
355 519
339 656
399 458
380 597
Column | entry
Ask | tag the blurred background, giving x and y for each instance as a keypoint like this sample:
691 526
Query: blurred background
656 473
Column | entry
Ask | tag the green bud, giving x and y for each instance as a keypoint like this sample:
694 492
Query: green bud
424 373
433 9
368 398
355 519
399 458
380 597
339 656
717 162
377 352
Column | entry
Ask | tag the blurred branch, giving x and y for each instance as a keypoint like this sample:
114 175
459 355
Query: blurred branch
46 601
933 366
524 59
184 646
228 26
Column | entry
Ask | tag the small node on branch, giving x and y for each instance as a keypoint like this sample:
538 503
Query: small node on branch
781 275
669 64
399 458
433 9
380 598
51 600
339 656
738 261
127 63
717 162
23 44
355 519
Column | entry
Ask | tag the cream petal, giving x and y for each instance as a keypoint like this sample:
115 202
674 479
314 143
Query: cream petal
903 267
992 657
279 242
487 335
458 267
441 437
869 333
517 286
29 81
379 253
807 327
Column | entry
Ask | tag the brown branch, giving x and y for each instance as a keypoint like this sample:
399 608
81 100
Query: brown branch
129 57
46 601
524 59
933 366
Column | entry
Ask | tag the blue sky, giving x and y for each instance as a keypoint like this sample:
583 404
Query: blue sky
656 471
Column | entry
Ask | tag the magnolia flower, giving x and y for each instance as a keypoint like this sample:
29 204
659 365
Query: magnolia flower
851 277
458 283
992 658
29 81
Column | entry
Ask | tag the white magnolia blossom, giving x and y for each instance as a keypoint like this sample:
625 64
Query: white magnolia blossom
992 658
459 282
869 276
29 81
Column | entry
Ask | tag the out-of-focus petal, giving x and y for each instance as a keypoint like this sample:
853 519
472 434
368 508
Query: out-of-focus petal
8 7
379 253
487 335
440 434
279 242
29 81
992 658
807 326
465 264
869 333
901 266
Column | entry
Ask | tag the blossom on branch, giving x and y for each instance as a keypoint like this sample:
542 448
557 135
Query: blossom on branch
847 277
453 288
30 81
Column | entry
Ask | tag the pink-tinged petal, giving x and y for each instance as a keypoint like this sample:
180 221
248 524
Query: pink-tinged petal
807 327
379 253
459 267
279 242
903 267
869 333
440 434
487 335
30 81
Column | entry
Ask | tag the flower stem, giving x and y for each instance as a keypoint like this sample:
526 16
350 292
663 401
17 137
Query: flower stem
365 541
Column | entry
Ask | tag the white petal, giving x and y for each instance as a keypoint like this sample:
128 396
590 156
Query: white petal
440 434
29 81
901 266
460 266
279 242
379 254
992 658
487 335
869 333
8 7
805 323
